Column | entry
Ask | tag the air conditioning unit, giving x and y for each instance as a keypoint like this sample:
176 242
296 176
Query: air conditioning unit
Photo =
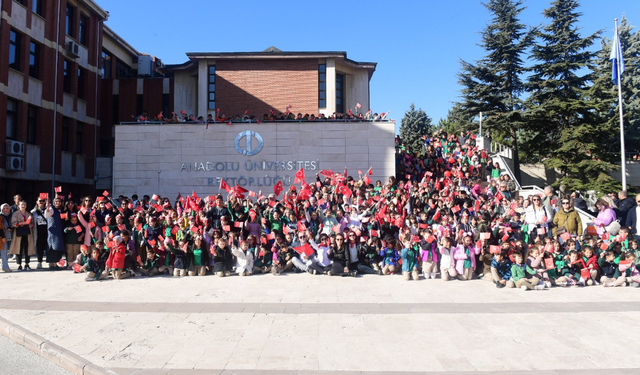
15 148
145 67
73 49
15 164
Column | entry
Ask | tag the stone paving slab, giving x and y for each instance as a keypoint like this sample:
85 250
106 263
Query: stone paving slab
304 324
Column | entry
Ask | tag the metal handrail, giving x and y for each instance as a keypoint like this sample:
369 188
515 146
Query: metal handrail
508 171
254 121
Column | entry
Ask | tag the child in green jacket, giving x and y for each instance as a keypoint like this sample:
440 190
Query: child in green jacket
523 275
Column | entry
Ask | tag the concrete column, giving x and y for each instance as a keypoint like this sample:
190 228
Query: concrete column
331 88
201 108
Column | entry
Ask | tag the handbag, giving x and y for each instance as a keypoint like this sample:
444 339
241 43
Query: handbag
613 228
23 230
561 229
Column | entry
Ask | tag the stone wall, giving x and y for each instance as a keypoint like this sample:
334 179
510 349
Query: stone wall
168 159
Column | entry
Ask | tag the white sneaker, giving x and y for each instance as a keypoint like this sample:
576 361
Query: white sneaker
547 284
607 285
540 287
433 275
425 275
39 267
524 287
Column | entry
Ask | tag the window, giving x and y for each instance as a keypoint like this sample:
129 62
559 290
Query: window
340 93
66 83
34 60
82 29
70 26
79 140
212 87
106 65
12 119
322 86
32 124
65 134
139 103
36 7
81 76
14 50
122 70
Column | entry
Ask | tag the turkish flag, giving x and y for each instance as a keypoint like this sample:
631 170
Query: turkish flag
224 186
301 226
59 189
299 176
346 192
326 173
499 196
304 249
367 180
345 172
277 189
252 214
240 189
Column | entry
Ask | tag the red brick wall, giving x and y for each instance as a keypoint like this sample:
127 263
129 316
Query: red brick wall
261 85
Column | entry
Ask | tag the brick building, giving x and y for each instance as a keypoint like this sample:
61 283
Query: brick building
256 82
49 75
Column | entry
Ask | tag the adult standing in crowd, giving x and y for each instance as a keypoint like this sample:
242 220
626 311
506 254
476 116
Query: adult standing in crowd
606 215
624 203
567 220
7 235
22 243
55 241
40 232
633 219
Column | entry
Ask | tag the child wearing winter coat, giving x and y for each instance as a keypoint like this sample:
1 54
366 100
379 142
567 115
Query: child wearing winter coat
198 257
629 271
409 256
465 256
429 256
151 263
389 258
447 263
115 262
223 258
524 276
244 259
95 267
180 261
534 258
591 261
611 275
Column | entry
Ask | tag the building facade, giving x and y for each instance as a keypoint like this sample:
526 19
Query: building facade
49 80
258 82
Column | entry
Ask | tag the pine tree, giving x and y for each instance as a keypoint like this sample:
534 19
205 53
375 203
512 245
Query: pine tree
606 93
493 84
414 125
456 121
560 107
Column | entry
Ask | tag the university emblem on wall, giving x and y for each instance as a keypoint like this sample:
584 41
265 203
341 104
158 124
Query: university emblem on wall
248 150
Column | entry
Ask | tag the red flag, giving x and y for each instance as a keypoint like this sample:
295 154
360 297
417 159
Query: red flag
224 186
499 196
299 176
367 180
304 249
241 190
277 189
370 172
326 173
494 249
105 193
59 189
301 227
345 172
374 233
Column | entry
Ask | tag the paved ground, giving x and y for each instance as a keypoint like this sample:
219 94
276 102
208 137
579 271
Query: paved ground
312 324
18 360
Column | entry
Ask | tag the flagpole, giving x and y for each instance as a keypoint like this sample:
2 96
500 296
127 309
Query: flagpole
622 149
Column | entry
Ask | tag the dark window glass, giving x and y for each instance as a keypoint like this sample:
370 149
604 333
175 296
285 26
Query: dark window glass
12 119
66 83
34 60
322 86
70 25
81 82
82 29
212 87
36 7
122 70
165 105
139 103
340 93
106 65
14 50
79 127
65 134
32 124
116 109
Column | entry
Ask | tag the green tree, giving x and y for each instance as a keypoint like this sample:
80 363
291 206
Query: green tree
560 108
414 125
493 84
456 121
606 93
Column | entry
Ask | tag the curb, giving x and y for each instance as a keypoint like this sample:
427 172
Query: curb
51 351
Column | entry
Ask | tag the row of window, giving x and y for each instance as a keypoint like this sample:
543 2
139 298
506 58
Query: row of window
32 126
78 30
322 89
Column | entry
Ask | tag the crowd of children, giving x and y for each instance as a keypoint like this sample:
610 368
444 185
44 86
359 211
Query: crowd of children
448 215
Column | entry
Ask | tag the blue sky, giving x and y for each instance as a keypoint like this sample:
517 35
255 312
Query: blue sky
417 44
